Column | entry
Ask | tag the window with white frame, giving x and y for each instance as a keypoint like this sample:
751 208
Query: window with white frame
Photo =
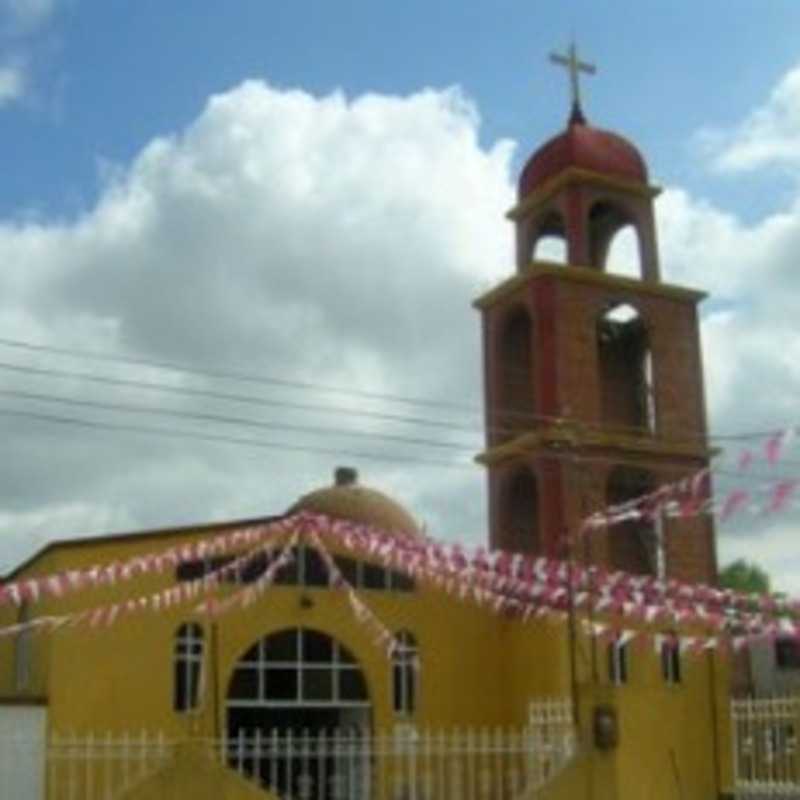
297 667
405 673
188 666
618 663
305 569
671 660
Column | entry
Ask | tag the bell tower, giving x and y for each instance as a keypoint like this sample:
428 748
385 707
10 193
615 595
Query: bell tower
593 381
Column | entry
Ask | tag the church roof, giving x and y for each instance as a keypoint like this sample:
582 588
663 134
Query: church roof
347 499
583 147
191 530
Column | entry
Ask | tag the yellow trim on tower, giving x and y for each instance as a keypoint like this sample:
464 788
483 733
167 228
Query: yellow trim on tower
578 175
564 438
589 276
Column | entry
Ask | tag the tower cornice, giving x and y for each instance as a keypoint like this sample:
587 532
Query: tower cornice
561 438
537 270
573 175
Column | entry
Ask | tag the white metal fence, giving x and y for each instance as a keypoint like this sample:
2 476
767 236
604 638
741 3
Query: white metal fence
765 747
345 764
472 764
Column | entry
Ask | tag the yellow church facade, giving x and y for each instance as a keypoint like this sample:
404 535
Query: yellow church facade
469 684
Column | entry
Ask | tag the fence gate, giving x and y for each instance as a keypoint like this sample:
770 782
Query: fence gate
765 753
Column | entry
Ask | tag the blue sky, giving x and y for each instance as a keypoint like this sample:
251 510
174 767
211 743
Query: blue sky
104 78
304 191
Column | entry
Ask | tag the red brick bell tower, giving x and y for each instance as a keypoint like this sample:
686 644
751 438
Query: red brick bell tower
593 381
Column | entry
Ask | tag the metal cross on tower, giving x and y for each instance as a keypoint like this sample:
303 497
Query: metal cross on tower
574 66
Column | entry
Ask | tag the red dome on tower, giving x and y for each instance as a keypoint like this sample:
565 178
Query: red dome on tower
583 147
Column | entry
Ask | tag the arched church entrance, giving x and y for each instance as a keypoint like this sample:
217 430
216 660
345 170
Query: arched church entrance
294 697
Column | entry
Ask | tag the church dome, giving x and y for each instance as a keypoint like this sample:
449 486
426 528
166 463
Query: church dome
583 147
347 499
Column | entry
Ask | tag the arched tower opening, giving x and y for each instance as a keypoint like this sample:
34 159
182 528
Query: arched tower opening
606 220
517 390
625 365
520 518
550 242
633 544
623 254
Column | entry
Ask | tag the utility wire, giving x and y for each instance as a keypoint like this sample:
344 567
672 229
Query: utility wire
238 398
310 407
243 421
210 437
232 375
565 455
241 376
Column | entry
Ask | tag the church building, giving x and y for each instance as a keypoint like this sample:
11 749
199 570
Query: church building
335 650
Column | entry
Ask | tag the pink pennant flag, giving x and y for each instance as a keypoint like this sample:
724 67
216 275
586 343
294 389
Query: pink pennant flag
32 589
780 495
733 503
746 458
774 446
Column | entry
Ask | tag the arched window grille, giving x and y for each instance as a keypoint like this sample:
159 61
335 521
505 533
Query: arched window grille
188 666
297 668
405 673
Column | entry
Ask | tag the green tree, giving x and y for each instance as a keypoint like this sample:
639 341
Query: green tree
744 576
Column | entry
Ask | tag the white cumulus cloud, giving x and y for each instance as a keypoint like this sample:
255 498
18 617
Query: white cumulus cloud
766 137
324 240
333 241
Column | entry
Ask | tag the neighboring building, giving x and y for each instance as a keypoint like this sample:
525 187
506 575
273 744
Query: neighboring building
594 395
769 668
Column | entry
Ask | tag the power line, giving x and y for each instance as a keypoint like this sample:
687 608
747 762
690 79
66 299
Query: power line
306 407
522 415
231 375
564 455
238 398
311 386
210 437
243 421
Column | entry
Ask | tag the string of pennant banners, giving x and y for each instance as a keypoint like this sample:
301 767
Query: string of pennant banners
510 581
512 584
686 497
520 586
691 496
105 616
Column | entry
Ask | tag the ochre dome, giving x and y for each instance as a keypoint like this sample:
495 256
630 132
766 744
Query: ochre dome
583 147
346 499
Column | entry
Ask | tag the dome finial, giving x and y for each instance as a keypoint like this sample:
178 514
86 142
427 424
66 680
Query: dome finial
574 66
345 476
